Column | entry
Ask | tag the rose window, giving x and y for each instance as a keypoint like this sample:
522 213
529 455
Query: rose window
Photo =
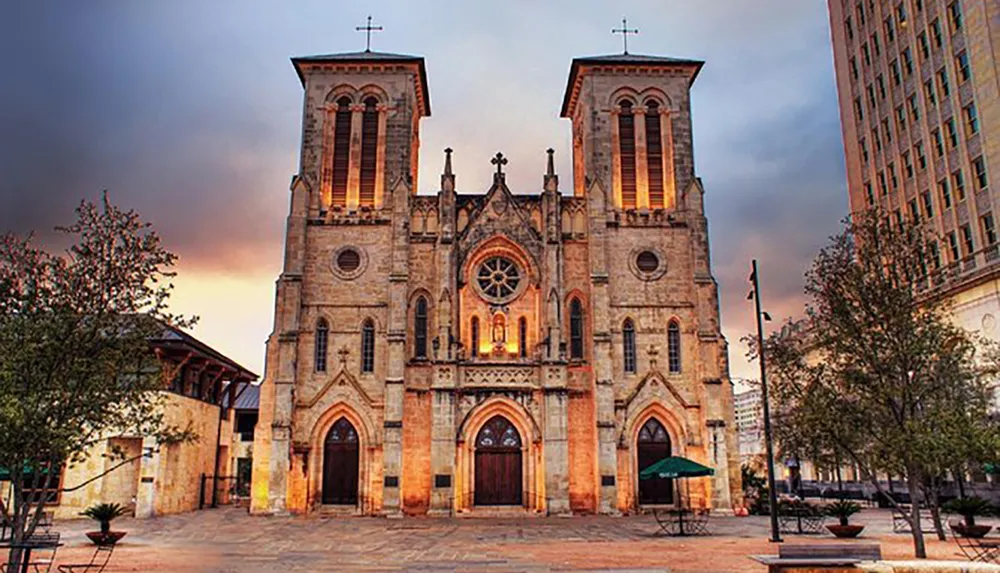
498 278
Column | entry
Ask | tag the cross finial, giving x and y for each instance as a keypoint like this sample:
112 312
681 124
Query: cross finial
625 31
499 160
653 353
343 353
368 33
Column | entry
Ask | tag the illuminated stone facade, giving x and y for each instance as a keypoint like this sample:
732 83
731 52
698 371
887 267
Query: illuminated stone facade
449 353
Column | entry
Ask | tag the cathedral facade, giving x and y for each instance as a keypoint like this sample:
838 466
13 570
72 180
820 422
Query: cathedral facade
502 349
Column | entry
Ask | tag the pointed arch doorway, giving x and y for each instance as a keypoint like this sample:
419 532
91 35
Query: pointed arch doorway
498 463
340 464
654 445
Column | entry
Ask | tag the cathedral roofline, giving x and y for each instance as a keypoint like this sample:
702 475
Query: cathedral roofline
368 57
631 60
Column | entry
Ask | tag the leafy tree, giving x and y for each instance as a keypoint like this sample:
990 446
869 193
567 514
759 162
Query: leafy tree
881 376
75 362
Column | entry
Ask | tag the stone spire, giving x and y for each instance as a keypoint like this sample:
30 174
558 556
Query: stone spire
447 178
551 180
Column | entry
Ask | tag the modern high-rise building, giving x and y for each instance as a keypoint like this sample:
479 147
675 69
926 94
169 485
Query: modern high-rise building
749 416
919 95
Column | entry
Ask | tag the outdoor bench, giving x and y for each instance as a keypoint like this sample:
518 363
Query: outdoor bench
830 556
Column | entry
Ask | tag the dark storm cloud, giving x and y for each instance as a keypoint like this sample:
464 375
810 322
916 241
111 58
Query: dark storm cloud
125 98
780 210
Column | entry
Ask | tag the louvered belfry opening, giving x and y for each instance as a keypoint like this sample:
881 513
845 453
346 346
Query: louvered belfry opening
369 152
626 142
654 155
341 151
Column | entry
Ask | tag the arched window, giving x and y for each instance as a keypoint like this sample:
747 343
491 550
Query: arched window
368 346
674 346
654 154
369 151
522 336
341 150
322 337
575 329
628 345
420 329
626 152
474 336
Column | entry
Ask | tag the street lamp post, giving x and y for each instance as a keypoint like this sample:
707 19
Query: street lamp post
772 494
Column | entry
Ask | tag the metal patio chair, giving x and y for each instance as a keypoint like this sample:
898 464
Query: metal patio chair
100 559
980 550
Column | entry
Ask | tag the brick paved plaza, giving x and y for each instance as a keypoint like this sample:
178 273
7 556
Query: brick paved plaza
229 540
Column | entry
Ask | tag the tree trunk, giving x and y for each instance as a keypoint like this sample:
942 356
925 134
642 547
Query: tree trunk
919 550
938 525
933 503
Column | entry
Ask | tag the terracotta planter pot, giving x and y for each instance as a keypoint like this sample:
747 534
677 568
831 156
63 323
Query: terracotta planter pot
109 538
845 531
971 531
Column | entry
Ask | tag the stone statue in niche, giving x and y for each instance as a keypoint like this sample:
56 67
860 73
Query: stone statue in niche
498 334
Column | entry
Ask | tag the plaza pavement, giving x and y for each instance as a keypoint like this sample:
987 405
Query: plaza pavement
229 540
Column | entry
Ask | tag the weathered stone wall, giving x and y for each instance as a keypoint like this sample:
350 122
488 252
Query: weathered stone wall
417 452
582 452
164 484
176 470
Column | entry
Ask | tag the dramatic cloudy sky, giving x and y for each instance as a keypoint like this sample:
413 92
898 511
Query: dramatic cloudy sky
189 111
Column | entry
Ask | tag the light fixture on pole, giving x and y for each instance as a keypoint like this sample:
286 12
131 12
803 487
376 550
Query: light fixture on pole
772 494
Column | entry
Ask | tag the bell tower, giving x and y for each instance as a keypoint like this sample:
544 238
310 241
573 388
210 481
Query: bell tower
360 128
631 119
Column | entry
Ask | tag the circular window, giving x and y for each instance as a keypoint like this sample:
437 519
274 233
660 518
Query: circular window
498 279
647 261
349 262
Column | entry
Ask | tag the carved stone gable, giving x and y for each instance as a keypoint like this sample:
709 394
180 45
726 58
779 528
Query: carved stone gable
499 214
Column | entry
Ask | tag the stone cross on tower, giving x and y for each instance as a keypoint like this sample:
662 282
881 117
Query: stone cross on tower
625 31
499 160
343 353
368 33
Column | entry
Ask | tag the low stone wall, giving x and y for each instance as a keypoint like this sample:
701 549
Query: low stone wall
923 566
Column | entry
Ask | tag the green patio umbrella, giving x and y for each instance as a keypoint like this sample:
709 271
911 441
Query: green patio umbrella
675 467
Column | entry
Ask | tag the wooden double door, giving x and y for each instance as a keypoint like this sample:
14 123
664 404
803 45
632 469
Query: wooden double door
653 446
340 464
498 464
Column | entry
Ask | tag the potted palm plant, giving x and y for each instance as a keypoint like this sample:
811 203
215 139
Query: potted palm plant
105 513
843 510
969 508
